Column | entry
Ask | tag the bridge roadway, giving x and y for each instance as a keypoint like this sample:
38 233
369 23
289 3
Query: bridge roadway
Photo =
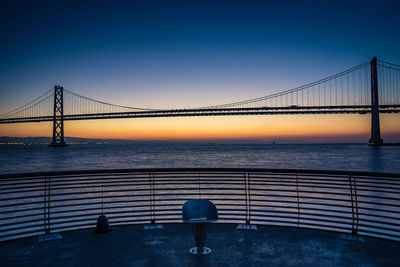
288 110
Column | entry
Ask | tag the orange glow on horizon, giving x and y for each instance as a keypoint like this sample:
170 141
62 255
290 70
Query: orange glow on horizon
208 128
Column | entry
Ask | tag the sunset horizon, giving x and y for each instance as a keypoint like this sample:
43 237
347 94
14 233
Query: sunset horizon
330 128
131 130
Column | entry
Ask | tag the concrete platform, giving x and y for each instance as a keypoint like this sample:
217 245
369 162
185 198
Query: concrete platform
134 246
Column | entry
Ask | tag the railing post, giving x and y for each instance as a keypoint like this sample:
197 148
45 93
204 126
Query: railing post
102 195
47 212
298 201
354 204
46 204
199 187
152 200
152 205
247 195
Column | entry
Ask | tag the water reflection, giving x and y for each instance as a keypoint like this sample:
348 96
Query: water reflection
357 157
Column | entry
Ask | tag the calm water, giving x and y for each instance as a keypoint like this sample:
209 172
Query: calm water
357 157
35 158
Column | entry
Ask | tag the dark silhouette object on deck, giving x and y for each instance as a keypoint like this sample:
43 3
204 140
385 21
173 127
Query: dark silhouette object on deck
199 213
102 226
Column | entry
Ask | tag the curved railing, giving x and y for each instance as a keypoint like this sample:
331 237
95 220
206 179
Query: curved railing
349 202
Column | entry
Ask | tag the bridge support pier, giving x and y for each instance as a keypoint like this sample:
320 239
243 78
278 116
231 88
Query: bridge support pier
58 118
376 139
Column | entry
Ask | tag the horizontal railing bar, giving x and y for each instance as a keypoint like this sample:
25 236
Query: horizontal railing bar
328 204
142 213
113 217
325 228
187 191
36 232
379 215
268 214
23 222
127 196
39 183
303 208
375 203
21 210
203 191
22 216
207 178
378 225
304 223
368 230
13 229
56 186
253 211
147 214
23 191
134 201
183 179
196 180
218 170
204 188
331 222
324 204
303 197
381 235
161 200
263 179
22 197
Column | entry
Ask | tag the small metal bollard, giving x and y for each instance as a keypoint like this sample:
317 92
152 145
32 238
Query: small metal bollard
199 213
102 226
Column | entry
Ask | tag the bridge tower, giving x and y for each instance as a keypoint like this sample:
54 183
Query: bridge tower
58 118
376 139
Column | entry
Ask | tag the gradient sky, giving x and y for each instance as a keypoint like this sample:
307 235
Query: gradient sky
191 53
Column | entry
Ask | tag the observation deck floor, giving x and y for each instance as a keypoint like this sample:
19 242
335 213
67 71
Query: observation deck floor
134 246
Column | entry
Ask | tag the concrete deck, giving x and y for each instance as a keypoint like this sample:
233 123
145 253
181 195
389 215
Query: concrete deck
133 246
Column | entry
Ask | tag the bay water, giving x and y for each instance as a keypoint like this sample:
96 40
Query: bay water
347 157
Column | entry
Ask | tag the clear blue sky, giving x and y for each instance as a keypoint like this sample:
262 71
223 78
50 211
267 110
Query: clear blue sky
187 53
182 53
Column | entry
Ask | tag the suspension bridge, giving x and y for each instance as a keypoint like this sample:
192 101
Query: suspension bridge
358 90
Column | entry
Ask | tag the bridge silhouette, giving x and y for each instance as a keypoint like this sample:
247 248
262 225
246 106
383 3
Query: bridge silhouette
357 90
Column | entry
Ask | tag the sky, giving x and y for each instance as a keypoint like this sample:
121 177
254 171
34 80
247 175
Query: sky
178 54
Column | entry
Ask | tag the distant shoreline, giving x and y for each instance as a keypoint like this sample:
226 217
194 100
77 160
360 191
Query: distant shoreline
6 140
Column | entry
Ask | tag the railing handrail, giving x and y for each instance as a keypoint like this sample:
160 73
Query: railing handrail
197 169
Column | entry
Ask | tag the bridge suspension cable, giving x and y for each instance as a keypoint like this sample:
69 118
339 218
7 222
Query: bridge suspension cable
389 83
41 106
349 87
77 104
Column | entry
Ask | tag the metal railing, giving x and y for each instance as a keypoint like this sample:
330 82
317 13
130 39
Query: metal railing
349 202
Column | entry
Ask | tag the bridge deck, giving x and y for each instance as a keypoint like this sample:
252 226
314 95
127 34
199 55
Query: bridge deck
288 110
133 246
